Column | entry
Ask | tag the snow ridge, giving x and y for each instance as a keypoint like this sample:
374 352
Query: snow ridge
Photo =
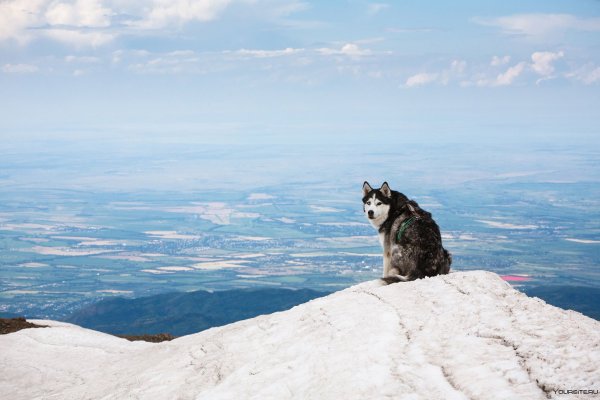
466 335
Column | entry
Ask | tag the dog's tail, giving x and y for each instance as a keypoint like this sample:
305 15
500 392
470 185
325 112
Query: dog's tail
395 278
448 258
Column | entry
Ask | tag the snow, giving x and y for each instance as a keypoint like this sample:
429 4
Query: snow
216 212
260 196
467 335
503 225
584 241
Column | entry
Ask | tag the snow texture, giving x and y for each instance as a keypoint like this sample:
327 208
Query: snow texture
466 335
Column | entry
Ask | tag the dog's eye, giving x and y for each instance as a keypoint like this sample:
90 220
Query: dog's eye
368 203
378 203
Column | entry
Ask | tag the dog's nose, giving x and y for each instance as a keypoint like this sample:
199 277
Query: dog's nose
371 213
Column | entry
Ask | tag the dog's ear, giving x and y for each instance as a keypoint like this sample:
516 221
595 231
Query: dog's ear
366 188
385 190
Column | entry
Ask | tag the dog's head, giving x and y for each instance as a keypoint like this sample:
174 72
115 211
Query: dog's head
377 203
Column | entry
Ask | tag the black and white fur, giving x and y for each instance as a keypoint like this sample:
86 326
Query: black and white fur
419 252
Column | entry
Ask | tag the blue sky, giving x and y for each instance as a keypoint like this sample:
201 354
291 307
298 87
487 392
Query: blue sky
300 70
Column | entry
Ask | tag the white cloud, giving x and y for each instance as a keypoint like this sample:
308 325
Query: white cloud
456 69
410 30
506 78
458 66
542 62
592 77
180 53
421 79
349 49
19 68
512 73
73 22
81 13
97 22
82 59
188 61
162 13
174 62
375 8
498 61
266 53
80 38
280 9
18 15
588 74
540 25
355 70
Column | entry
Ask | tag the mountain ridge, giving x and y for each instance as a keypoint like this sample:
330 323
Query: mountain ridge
466 335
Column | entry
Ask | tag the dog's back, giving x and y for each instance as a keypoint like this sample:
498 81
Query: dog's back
418 251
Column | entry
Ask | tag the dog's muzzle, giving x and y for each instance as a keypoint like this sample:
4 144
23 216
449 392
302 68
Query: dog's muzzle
371 214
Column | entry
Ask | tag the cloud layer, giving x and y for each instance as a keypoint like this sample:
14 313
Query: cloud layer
98 22
96 34
541 67
540 25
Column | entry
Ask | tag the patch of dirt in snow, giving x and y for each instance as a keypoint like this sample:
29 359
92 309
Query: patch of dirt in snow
11 325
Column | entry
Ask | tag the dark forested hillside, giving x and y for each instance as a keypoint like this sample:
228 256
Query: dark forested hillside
186 313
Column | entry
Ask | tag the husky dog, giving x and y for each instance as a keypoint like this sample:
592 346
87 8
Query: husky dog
411 240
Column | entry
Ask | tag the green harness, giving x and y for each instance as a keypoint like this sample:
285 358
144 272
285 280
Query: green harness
405 225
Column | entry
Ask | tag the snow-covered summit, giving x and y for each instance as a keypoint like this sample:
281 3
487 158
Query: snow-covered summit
465 335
